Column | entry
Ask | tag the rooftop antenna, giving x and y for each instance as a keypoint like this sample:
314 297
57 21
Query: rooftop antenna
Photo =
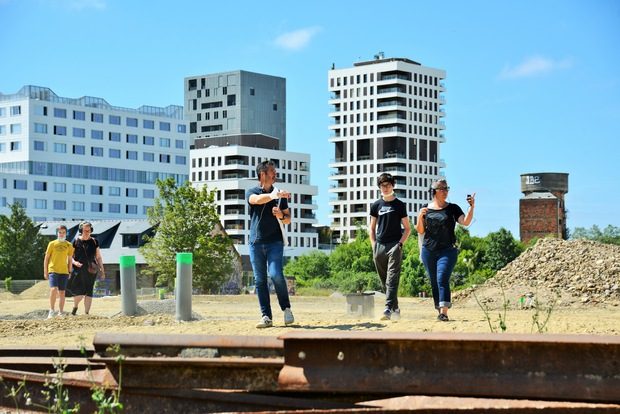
379 55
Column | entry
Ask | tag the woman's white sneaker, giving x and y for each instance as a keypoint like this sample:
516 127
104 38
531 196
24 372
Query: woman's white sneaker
288 316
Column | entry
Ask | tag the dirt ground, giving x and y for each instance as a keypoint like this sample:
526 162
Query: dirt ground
23 323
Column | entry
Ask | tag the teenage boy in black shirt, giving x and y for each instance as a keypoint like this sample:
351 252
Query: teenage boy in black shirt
387 215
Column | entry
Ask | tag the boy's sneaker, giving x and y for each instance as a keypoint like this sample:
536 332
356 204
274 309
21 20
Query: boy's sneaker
51 314
61 314
395 315
265 322
387 315
288 316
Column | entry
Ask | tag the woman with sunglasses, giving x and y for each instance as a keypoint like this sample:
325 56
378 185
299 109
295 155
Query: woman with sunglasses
437 222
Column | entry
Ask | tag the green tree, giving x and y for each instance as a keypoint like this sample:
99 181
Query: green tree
355 256
306 268
609 235
186 220
413 279
502 249
22 248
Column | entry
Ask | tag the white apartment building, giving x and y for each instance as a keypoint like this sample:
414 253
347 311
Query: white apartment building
231 170
386 116
72 159
238 119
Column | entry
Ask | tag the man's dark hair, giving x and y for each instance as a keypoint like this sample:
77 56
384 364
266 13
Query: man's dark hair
385 178
263 167
62 226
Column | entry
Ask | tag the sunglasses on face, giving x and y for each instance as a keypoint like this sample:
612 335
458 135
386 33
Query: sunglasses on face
443 188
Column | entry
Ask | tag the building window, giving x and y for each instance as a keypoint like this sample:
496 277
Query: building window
231 100
79 115
78 206
20 184
60 130
40 128
96 207
114 120
60 205
2 129
148 124
132 139
132 122
79 132
114 153
131 192
148 193
275 107
131 209
164 158
16 129
179 143
40 204
148 156
252 91
60 148
96 134
114 191
21 201
60 113
146 140
181 128
96 190
40 186
114 136
79 188
79 149
39 146
180 160
96 151
114 208
224 114
132 155
60 187
96 117
40 110
164 142
164 126
224 90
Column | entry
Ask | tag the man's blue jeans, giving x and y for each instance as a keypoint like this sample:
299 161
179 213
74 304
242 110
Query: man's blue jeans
439 265
267 257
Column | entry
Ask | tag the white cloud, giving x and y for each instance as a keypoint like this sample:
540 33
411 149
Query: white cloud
298 39
534 66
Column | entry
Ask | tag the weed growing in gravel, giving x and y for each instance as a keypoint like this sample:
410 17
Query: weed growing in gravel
537 321
501 322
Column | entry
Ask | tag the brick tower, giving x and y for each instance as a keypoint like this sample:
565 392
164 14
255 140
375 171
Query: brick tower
542 210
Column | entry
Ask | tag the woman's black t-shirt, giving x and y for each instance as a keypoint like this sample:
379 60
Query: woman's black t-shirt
85 251
439 227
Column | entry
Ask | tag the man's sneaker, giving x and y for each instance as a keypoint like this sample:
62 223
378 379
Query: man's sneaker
265 322
51 314
387 315
60 314
288 316
395 315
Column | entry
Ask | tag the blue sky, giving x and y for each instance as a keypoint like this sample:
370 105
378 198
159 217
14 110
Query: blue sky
532 86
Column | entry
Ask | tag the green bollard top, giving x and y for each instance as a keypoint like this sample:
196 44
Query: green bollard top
185 258
127 261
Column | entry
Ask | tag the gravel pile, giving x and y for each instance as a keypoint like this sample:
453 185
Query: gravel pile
578 271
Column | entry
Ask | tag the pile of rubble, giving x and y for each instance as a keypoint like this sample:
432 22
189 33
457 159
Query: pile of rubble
576 271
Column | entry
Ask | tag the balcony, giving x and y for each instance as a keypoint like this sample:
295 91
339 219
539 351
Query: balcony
391 89
394 154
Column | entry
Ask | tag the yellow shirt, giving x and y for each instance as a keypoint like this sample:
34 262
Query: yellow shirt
60 252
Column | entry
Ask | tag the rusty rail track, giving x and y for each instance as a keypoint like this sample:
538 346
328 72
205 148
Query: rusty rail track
340 372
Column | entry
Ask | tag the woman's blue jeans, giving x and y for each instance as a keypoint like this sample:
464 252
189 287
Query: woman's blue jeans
439 265
267 258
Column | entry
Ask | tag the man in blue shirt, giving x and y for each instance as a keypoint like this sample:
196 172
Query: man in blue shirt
269 213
